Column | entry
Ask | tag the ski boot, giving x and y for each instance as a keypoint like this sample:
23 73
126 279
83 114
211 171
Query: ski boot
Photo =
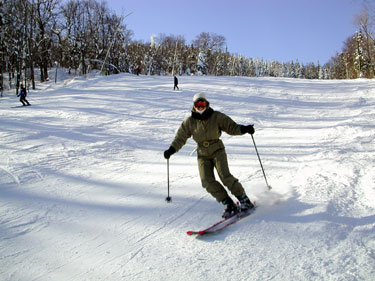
245 203
230 209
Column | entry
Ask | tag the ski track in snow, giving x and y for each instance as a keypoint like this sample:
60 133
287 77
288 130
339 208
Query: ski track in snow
83 181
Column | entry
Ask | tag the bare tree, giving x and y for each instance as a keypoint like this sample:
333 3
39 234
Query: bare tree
365 21
44 13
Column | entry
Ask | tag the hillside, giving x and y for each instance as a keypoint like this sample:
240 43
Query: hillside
83 181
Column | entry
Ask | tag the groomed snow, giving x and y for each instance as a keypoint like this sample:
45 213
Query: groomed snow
83 181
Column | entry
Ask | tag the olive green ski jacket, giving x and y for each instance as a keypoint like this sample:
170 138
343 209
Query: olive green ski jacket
206 130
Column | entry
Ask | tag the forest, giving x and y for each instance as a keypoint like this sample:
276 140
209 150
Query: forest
83 35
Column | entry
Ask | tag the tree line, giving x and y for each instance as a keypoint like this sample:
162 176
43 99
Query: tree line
81 35
357 58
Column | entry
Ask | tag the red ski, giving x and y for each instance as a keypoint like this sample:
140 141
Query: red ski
220 225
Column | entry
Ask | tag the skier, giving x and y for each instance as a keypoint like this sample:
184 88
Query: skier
138 70
23 95
175 84
205 126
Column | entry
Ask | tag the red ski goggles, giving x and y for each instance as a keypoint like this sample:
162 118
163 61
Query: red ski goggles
199 104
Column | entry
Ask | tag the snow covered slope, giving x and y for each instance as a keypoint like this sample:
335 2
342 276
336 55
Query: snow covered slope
83 182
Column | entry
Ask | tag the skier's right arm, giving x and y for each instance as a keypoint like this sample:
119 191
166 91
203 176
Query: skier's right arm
183 133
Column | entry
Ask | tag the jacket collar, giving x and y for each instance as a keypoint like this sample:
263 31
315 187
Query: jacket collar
204 116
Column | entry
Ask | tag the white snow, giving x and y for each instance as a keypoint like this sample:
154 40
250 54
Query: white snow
83 181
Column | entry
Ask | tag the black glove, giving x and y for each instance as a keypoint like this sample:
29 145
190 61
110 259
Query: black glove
248 129
171 150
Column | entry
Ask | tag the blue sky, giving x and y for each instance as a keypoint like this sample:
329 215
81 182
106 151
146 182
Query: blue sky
282 30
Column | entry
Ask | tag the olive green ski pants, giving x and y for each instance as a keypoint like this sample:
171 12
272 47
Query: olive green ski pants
218 160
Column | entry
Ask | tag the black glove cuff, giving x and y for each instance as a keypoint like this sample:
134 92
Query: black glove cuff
243 129
167 154
247 129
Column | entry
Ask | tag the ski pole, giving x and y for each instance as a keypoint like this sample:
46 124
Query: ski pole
264 174
168 199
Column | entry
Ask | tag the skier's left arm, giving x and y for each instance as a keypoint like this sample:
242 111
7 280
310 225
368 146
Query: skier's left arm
227 125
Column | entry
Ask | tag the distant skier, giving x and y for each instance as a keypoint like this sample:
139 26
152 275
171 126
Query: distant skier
205 126
23 95
175 83
138 71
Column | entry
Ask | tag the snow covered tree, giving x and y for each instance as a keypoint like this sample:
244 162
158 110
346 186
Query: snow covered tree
208 45
359 62
3 49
